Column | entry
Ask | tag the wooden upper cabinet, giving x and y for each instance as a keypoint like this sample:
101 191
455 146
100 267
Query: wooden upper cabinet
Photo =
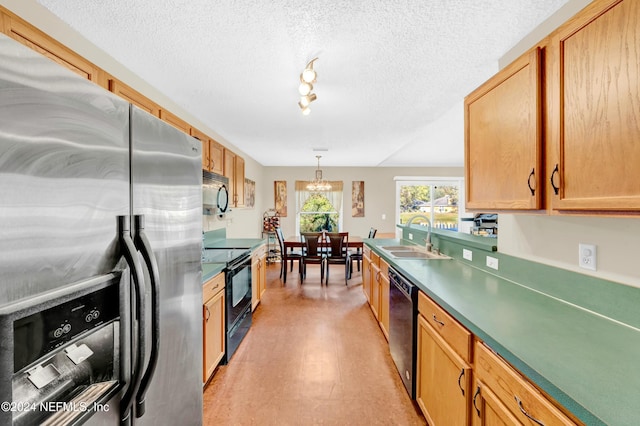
133 96
239 181
596 132
216 157
35 39
234 170
503 138
175 121
212 153
204 141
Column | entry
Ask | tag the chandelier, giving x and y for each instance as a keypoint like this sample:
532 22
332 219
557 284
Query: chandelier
318 184
307 78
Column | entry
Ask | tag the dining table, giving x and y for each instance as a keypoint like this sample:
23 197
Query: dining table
294 242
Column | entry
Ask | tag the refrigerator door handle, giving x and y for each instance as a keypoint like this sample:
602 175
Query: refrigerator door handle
142 244
130 254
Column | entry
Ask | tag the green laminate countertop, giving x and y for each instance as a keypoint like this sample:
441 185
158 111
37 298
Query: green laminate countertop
584 360
210 270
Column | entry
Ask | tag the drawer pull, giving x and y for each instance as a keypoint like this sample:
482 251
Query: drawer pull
437 320
523 411
474 400
460 378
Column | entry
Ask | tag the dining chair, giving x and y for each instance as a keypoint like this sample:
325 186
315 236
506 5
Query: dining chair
291 255
312 253
338 253
357 254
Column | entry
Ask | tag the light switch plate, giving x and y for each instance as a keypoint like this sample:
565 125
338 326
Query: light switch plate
467 254
410 236
492 262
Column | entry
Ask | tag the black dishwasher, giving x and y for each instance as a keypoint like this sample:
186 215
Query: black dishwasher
403 308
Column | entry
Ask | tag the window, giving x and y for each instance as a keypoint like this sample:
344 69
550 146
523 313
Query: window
316 211
439 199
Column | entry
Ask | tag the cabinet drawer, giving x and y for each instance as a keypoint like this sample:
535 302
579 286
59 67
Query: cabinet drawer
213 286
514 391
458 337
259 251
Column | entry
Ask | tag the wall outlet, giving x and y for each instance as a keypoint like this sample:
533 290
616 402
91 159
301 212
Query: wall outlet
410 236
587 256
467 254
492 262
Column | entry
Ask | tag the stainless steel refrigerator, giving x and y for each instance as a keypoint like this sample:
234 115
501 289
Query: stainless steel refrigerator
100 248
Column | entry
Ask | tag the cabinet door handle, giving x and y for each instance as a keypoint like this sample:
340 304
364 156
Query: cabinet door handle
437 320
460 378
523 411
208 314
532 174
474 400
555 188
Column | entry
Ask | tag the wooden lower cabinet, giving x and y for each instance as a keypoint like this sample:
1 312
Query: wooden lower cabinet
258 275
383 317
213 335
488 410
504 396
374 301
443 388
366 274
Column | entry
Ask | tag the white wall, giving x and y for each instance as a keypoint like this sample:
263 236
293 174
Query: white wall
379 192
554 240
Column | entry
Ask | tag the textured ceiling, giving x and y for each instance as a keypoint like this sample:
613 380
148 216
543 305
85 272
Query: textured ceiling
392 75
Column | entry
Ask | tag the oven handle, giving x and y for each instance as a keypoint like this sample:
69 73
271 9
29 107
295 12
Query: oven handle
128 250
142 244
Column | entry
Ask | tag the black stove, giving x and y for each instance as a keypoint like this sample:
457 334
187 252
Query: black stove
238 292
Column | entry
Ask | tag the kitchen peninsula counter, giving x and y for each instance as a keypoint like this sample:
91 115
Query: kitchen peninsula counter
583 359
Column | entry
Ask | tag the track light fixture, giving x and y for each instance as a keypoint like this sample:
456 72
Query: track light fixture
307 78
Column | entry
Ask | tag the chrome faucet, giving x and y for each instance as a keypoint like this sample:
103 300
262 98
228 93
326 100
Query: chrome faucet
428 239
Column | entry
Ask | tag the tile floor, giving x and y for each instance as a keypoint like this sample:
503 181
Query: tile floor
314 356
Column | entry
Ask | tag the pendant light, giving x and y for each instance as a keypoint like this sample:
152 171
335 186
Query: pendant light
318 184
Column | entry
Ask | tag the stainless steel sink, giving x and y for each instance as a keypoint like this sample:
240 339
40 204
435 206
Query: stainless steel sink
412 252
418 255
393 248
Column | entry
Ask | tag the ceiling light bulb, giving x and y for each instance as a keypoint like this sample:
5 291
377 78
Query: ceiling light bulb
306 100
309 75
305 88
306 111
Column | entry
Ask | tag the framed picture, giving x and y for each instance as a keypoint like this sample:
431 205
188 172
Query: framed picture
249 193
280 197
357 198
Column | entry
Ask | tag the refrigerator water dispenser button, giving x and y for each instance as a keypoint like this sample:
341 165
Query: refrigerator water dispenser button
41 376
77 354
